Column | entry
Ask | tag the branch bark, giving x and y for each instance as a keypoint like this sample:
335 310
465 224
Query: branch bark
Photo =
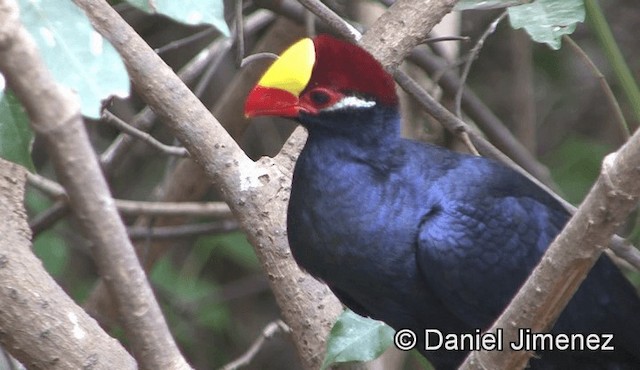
569 258
256 192
141 208
557 290
55 115
413 19
39 324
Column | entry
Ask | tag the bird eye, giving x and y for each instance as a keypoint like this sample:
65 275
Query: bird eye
319 97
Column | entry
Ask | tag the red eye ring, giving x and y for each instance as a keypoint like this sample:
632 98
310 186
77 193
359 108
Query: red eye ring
319 98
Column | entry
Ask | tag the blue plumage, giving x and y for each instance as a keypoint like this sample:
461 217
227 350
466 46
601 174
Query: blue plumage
416 235
422 237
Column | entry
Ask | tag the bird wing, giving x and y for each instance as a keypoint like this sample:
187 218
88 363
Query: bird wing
485 231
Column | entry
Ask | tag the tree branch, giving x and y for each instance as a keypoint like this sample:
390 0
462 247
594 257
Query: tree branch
256 192
414 19
55 115
144 120
570 256
453 124
181 231
111 118
39 324
268 332
474 107
486 120
186 181
250 188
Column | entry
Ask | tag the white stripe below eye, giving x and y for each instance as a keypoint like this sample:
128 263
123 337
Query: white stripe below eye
351 102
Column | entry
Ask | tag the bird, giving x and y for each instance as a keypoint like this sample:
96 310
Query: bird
414 234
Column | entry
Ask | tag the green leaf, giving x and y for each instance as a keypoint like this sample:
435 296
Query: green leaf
575 165
356 338
77 56
16 137
189 12
546 21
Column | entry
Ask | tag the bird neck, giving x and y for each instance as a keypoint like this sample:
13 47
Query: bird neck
367 130
370 137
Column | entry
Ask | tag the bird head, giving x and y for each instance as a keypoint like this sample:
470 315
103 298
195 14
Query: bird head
319 77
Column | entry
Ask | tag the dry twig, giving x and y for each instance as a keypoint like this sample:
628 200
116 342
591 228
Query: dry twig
268 332
55 115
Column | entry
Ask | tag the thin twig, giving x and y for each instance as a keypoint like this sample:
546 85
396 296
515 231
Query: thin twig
257 56
431 40
617 112
323 12
144 120
486 120
212 67
310 23
239 33
268 332
176 44
169 209
111 118
140 208
49 187
473 54
46 219
468 143
611 50
182 231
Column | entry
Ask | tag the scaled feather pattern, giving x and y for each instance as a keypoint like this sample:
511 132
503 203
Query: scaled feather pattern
422 237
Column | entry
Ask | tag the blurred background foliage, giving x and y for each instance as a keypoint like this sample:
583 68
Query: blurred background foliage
211 287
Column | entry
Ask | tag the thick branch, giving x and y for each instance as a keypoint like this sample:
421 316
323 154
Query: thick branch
186 181
54 114
39 324
257 193
413 19
570 256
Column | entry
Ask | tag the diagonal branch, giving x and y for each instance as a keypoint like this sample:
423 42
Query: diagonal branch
570 256
55 116
256 192
111 118
39 324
